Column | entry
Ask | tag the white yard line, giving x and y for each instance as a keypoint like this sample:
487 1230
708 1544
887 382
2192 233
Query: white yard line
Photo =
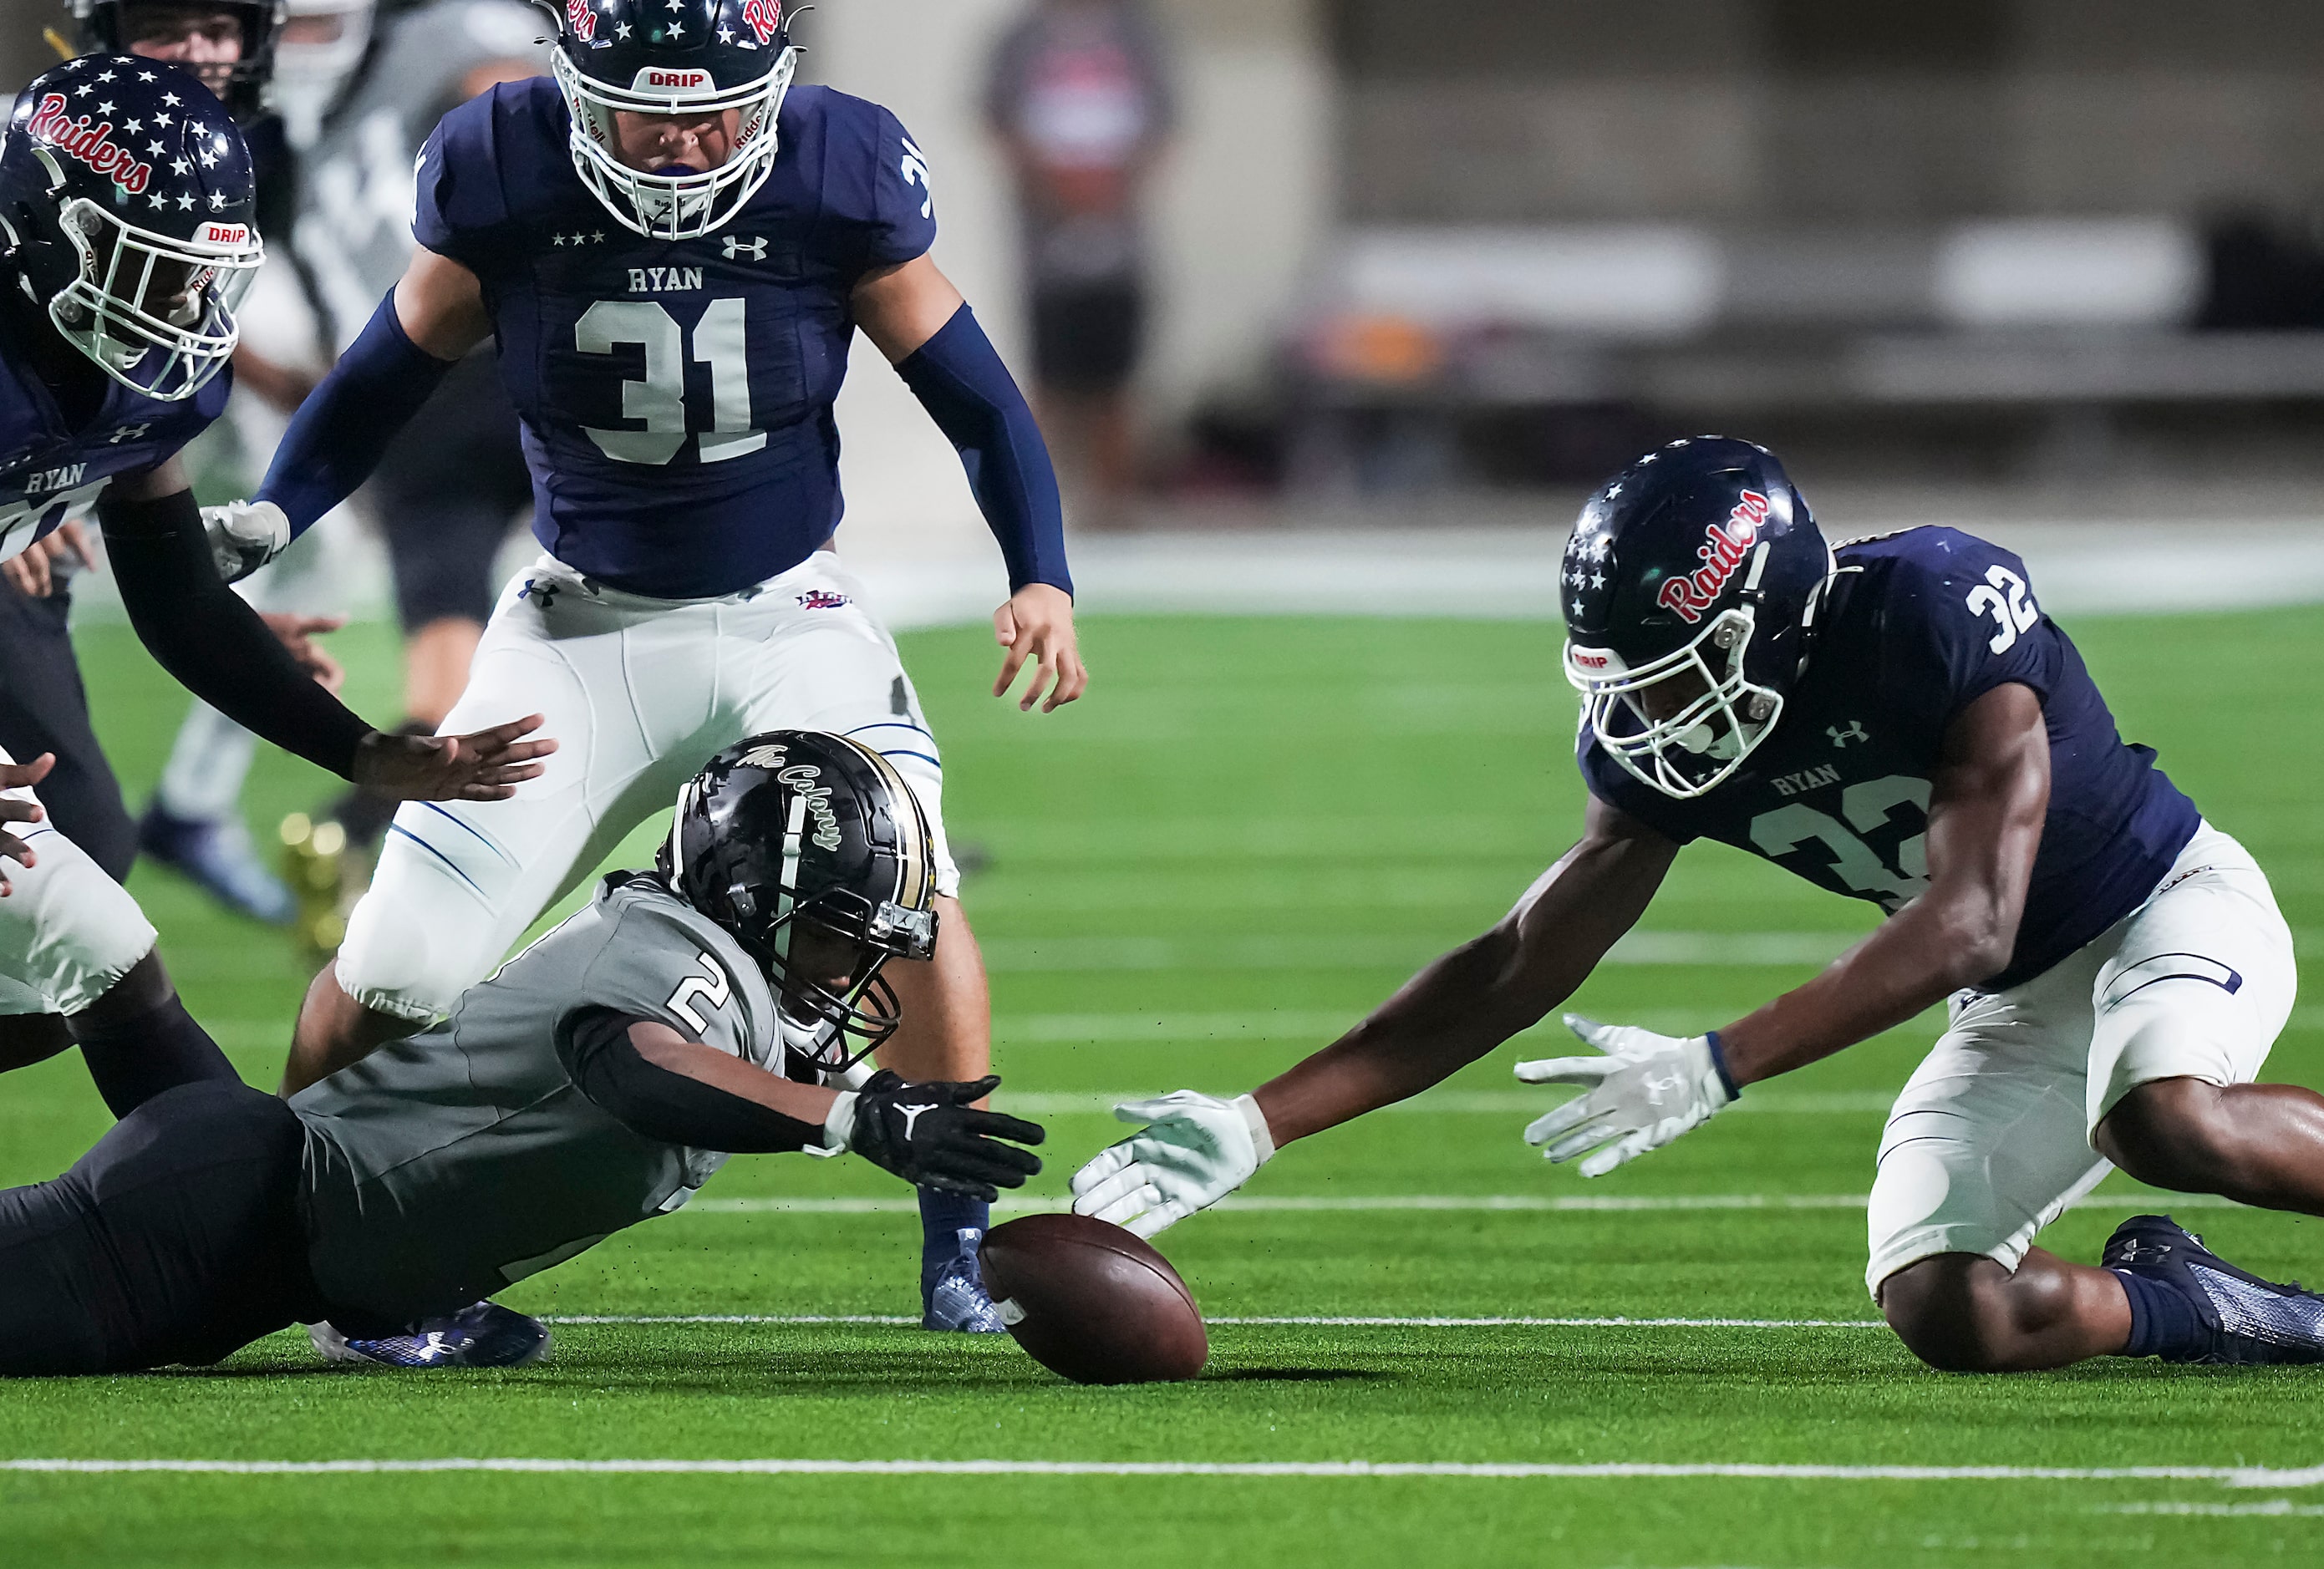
1349 1321
2275 1507
1271 952
1487 1102
1453 1202
2240 1476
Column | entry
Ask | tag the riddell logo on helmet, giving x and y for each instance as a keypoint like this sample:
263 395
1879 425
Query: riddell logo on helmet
583 19
90 144
764 18
1721 552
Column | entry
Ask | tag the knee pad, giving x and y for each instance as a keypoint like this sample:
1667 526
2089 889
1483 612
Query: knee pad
395 964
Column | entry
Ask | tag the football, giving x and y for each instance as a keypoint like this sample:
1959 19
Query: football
1093 1302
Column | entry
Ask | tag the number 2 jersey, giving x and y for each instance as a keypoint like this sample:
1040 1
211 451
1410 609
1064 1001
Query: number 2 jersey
677 395
51 469
1919 625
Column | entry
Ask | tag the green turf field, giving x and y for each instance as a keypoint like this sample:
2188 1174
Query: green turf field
1249 832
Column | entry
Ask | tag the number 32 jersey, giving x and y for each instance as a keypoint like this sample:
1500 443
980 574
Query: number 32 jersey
677 395
1919 625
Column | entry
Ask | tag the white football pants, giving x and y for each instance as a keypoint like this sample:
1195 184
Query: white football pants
1990 1140
67 931
639 694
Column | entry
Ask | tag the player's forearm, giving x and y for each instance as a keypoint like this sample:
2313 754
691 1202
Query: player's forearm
340 433
662 1086
959 378
1920 957
202 633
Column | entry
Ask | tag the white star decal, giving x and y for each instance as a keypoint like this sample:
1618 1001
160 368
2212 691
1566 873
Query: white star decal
160 200
171 99
598 238
217 201
156 149
560 241
623 29
185 202
726 35
106 76
176 165
73 65
209 159
83 91
677 30
132 127
106 107
161 119
147 76
1597 580
674 5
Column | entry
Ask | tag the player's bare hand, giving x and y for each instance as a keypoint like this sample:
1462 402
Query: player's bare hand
13 807
298 634
482 766
1036 626
33 573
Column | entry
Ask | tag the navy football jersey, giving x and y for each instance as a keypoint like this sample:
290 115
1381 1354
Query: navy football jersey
52 473
1919 625
677 395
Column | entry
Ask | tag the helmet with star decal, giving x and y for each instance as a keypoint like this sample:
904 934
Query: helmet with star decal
729 62
1690 590
127 209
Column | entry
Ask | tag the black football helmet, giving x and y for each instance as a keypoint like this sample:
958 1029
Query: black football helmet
126 212
673 57
1698 566
112 26
801 826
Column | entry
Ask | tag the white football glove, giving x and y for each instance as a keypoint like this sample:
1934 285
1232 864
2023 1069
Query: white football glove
244 535
1194 1150
1645 1091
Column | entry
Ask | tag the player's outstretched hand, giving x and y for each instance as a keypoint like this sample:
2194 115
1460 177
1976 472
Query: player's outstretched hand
297 635
1036 625
1194 1150
933 1136
484 765
16 808
1645 1091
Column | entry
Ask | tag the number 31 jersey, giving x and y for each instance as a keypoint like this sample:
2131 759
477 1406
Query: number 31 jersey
677 395
1918 626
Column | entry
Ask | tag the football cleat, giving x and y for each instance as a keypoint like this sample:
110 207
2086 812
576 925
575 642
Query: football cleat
2245 1319
481 1334
955 1299
215 854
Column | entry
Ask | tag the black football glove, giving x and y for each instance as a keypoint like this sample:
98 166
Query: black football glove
932 1137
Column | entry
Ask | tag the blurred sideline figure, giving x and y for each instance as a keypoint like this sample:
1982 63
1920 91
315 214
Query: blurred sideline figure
226 44
358 94
1079 96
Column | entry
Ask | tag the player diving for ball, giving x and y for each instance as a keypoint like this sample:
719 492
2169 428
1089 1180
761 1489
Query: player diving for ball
1898 721
598 1080
125 240
673 249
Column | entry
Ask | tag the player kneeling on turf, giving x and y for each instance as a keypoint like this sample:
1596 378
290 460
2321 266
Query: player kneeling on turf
1897 721
721 1005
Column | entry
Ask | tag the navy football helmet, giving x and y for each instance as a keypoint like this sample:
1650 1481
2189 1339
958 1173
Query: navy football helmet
113 26
801 826
126 212
1690 590
673 57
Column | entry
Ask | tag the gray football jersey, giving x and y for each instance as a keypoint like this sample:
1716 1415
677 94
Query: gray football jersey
352 235
443 1167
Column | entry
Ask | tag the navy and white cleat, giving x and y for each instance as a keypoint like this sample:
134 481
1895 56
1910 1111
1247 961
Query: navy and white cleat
954 1297
216 853
2245 1319
481 1334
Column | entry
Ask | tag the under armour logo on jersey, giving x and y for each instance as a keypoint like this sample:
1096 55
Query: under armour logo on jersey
543 594
912 1115
1853 732
735 245
127 433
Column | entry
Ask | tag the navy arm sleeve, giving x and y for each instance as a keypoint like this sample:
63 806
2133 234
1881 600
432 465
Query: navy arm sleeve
958 377
669 1107
201 632
340 433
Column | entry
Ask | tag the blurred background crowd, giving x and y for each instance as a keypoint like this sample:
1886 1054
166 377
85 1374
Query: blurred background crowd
1275 259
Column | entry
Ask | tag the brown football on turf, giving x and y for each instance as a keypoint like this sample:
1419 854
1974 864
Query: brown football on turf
1094 1302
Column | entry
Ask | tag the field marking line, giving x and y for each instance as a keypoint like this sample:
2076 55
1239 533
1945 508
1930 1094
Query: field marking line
1264 951
1356 1321
1457 1102
2272 1507
2242 1476
1454 1203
